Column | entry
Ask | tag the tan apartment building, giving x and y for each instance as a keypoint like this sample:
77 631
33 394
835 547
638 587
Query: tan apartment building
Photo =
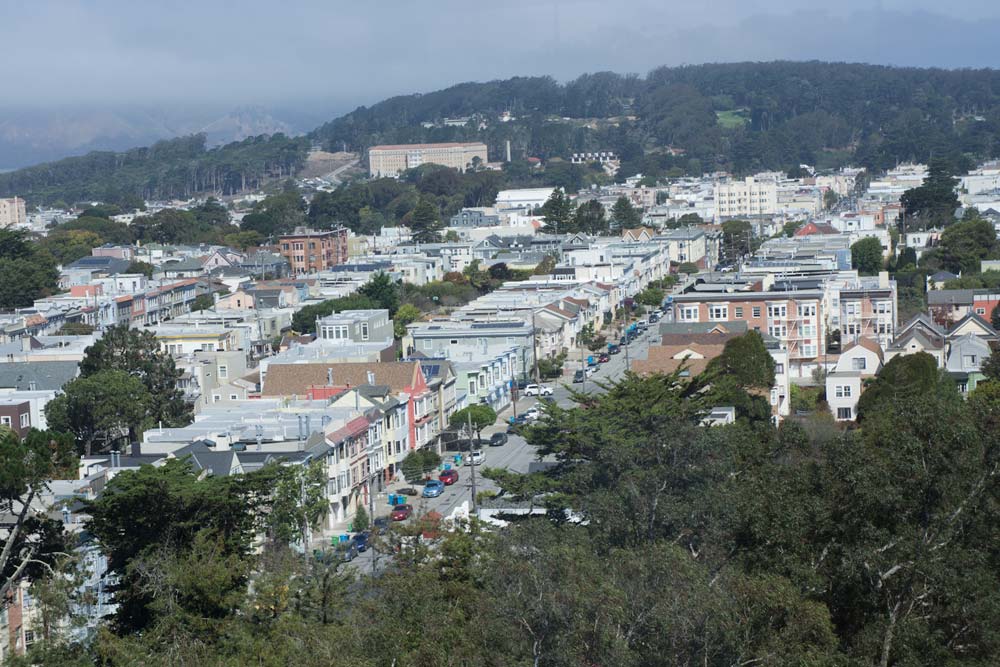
310 250
748 197
393 160
12 212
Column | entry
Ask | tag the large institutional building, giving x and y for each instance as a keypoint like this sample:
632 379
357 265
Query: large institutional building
393 160
12 212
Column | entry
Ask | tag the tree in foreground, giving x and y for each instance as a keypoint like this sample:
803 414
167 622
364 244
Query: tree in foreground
479 416
866 256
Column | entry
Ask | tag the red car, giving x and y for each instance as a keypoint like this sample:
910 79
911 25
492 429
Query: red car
604 358
449 476
401 512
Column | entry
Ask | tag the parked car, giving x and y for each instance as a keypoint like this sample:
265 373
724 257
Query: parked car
532 413
432 488
654 317
381 524
409 491
498 439
613 349
604 358
537 390
578 376
401 512
476 457
450 476
346 551
361 541
591 370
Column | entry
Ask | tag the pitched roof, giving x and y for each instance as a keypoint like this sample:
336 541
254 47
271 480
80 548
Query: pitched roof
866 343
40 375
297 379
661 359
980 323
923 321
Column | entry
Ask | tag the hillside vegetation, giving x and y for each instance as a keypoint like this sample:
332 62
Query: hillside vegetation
740 117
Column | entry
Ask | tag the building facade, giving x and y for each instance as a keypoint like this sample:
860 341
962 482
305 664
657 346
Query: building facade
393 160
748 197
12 212
310 250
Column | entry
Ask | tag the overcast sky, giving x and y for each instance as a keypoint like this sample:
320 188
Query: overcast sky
336 53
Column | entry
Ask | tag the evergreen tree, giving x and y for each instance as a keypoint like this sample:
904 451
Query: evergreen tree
425 222
557 210
625 215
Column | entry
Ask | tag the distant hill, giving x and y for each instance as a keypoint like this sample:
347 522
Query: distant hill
32 136
739 117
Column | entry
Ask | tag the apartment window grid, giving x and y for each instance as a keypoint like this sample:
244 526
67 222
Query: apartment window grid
842 391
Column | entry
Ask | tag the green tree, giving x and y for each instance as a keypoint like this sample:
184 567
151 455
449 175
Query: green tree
105 407
406 314
546 266
625 215
866 256
746 360
67 246
418 464
651 296
830 199
557 211
137 353
425 222
382 291
902 379
737 240
933 203
26 273
31 542
965 244
202 302
243 240
75 329
145 268
361 520
589 218
480 416
688 268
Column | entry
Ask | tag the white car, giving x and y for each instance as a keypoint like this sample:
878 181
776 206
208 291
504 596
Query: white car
591 370
476 457
538 390
532 414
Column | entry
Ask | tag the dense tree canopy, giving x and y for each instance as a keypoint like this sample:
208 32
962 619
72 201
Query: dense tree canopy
27 272
866 256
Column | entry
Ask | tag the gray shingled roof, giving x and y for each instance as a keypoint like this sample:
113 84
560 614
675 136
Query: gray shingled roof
39 375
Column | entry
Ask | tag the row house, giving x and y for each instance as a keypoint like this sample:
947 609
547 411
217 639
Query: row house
488 381
472 340
796 319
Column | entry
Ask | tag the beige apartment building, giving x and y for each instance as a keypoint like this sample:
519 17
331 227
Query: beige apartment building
12 212
393 160
748 197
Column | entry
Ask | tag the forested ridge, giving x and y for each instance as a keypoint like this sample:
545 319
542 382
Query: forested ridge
739 117
169 169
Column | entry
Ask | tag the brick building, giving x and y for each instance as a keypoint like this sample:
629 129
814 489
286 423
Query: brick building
310 250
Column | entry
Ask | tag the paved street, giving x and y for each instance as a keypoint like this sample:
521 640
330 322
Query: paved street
516 455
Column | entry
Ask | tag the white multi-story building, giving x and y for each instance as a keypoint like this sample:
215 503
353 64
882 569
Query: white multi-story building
749 197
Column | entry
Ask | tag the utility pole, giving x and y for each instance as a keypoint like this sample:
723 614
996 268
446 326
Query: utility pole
627 365
472 464
583 370
534 347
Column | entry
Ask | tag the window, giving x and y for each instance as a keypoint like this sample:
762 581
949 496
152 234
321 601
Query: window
223 372
807 310
756 311
778 312
689 314
454 341
216 398
980 311
859 364
718 313
472 386
808 350
968 360
739 313
852 308
843 391
234 397
777 330
845 413
779 369
883 308
5 421
364 331
25 420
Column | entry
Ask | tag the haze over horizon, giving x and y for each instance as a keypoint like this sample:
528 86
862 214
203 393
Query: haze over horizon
111 52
